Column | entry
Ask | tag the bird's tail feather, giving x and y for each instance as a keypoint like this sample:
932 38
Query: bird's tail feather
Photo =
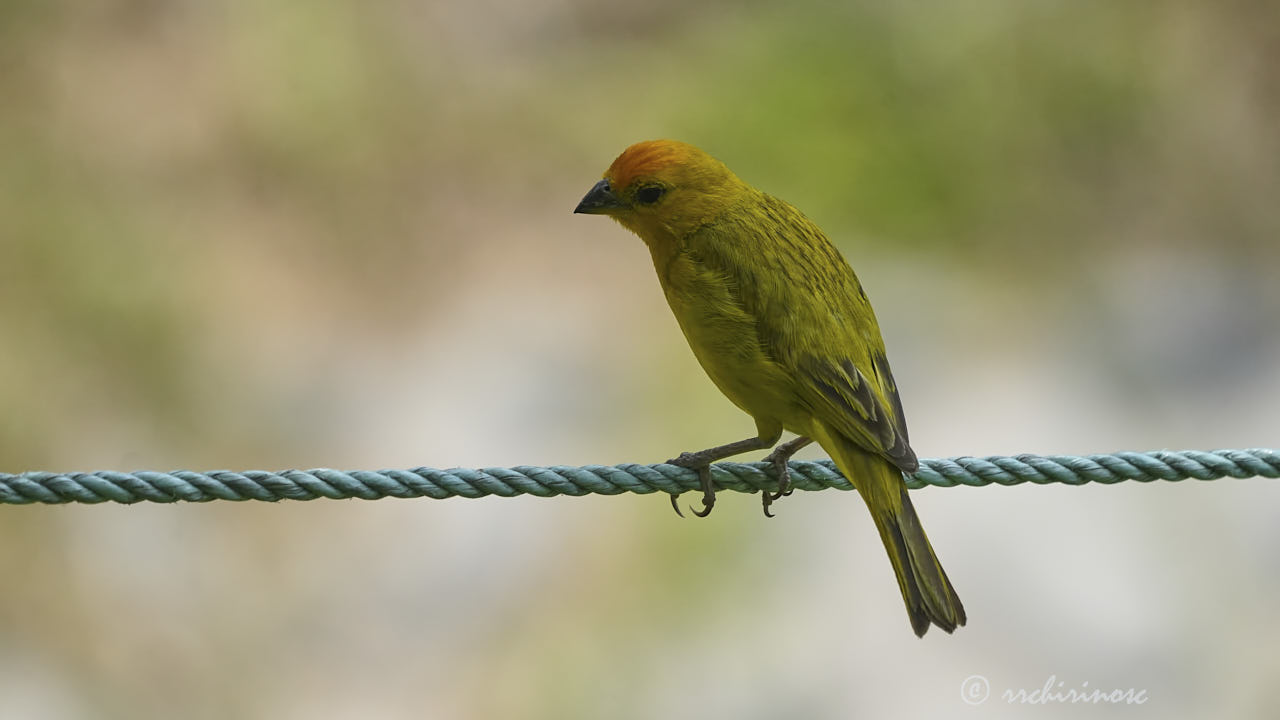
926 590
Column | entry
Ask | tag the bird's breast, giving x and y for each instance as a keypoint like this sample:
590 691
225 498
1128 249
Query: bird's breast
724 337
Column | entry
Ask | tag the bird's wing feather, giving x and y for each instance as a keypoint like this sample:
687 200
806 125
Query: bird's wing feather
847 400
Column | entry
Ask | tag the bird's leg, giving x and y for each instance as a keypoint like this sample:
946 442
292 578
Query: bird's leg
779 457
701 462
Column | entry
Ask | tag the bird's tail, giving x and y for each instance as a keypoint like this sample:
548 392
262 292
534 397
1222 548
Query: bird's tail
925 588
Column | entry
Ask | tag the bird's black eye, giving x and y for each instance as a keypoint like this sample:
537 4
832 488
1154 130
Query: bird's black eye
649 194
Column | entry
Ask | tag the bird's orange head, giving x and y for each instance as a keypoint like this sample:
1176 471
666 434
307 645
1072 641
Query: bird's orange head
664 189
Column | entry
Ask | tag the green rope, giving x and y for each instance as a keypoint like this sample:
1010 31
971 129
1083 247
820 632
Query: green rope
184 485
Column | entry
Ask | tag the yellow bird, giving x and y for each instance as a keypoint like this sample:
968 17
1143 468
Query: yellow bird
778 319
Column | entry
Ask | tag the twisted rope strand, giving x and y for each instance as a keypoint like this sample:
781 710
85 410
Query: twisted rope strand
185 485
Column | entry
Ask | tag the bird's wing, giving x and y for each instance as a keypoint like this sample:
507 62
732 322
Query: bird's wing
846 399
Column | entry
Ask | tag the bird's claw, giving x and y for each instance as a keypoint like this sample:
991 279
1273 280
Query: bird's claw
703 469
784 484
706 508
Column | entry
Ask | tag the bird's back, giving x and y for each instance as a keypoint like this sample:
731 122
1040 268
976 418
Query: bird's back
763 297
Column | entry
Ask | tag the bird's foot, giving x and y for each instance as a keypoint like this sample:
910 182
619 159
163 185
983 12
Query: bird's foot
779 458
699 463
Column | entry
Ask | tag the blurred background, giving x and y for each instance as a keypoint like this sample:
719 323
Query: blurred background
274 234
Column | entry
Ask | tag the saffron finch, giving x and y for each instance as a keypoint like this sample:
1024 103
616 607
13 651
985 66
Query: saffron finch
780 323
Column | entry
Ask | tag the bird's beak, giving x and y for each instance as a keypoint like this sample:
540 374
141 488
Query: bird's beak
599 200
